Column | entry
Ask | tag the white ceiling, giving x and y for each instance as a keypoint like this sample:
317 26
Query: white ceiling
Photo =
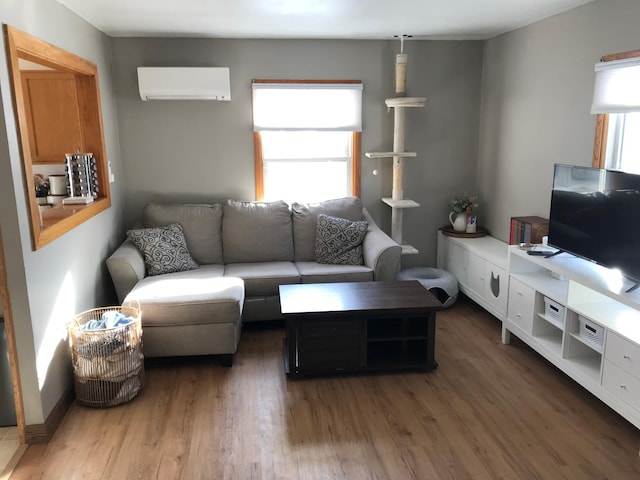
341 19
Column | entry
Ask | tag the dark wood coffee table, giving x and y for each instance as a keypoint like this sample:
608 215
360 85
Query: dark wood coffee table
360 326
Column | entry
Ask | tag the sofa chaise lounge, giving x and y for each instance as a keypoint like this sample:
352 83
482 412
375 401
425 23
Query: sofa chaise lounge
236 256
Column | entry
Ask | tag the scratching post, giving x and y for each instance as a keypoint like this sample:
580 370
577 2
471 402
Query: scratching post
399 104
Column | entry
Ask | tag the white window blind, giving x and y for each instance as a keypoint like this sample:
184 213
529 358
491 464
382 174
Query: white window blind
617 86
307 106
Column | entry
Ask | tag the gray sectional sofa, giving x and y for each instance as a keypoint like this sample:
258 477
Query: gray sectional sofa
236 256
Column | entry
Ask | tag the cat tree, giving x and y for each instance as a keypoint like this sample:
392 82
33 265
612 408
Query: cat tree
399 104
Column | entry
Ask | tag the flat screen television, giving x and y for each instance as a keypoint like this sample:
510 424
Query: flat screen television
595 214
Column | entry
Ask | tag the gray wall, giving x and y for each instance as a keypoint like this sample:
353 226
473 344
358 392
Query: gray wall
203 151
67 276
536 100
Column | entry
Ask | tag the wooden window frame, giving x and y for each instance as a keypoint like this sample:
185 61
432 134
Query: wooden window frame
356 145
602 119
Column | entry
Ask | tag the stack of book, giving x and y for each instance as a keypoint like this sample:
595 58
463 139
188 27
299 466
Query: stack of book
528 229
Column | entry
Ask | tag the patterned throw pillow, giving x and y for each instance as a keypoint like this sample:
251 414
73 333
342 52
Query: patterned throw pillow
164 249
339 241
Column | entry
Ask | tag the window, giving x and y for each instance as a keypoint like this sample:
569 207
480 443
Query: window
293 171
623 142
307 139
617 103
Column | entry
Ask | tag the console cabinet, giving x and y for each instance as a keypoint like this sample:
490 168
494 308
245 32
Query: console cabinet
574 313
577 315
480 266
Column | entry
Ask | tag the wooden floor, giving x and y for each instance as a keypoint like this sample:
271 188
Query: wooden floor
489 411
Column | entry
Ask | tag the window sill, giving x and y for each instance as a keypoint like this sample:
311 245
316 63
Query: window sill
58 220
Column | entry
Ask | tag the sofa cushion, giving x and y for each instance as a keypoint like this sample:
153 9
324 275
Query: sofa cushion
202 226
164 249
339 241
263 278
313 272
305 217
199 296
257 232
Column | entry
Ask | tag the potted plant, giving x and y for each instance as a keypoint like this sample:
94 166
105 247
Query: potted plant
460 208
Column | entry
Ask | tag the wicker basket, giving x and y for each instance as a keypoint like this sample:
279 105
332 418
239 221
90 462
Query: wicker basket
108 364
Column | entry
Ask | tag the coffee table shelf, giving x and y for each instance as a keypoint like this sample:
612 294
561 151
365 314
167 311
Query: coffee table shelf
404 328
394 354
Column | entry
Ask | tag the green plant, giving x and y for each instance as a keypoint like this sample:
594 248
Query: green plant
464 204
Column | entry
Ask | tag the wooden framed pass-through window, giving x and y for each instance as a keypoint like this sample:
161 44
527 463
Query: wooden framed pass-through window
57 106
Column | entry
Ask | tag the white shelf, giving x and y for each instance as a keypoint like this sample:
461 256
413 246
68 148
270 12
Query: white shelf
403 102
589 367
390 154
592 345
552 321
551 343
404 203
408 249
77 200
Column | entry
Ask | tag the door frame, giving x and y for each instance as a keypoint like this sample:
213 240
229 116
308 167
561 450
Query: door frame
11 346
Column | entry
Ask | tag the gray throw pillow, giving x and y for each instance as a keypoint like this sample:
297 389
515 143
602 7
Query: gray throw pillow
339 241
305 222
164 249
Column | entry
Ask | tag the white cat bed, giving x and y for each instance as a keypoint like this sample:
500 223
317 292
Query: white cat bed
440 283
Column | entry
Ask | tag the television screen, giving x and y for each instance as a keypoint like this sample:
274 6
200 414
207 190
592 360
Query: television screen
595 214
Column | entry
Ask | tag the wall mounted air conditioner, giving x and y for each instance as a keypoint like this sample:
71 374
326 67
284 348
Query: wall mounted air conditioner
184 83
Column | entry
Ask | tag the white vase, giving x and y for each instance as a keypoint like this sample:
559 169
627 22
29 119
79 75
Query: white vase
458 221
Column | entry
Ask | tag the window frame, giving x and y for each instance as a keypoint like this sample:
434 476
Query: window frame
356 144
602 119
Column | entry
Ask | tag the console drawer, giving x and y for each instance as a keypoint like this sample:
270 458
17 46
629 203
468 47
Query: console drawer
621 384
623 353
521 315
521 293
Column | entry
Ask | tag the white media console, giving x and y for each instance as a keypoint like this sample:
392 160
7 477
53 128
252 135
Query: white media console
480 266
572 312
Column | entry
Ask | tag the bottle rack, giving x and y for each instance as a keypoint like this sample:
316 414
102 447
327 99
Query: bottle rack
82 178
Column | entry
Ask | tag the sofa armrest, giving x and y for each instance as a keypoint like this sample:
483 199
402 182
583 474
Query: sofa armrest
380 252
126 267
